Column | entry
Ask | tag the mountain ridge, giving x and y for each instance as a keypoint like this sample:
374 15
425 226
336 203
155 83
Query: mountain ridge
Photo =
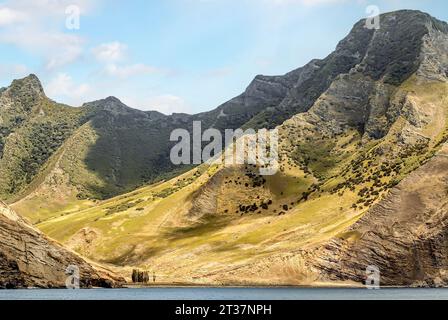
265 102
356 131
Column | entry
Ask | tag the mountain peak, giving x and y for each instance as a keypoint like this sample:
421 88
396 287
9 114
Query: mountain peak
408 17
29 84
415 16
112 99
112 105
399 46
106 103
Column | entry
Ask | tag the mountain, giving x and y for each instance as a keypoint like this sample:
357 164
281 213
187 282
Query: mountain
55 155
105 148
105 137
362 154
31 128
29 259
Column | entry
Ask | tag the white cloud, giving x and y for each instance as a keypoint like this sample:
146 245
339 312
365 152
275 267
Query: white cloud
166 103
69 50
304 2
129 70
110 52
63 86
9 16
38 27
13 70
218 73
58 49
320 2
44 8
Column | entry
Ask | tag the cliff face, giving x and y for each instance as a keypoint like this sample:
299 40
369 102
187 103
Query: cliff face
29 259
405 235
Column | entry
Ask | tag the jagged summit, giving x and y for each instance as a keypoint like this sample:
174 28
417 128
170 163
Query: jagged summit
112 99
31 79
29 84
113 105
397 49
414 17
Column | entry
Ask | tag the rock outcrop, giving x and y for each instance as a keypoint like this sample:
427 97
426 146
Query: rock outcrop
405 235
29 259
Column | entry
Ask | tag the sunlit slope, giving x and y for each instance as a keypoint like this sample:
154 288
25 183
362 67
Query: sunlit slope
113 149
361 173
32 129
66 180
404 235
219 224
104 148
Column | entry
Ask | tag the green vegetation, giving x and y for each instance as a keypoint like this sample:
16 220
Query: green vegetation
78 173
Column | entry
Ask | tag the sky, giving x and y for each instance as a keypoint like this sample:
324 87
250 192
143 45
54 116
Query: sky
172 55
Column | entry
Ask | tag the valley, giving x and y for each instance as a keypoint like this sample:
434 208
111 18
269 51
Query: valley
362 160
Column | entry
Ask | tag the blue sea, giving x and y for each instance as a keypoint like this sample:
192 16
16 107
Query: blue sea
190 293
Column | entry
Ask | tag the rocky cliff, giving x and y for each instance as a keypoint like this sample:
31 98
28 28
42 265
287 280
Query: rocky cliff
29 259
405 235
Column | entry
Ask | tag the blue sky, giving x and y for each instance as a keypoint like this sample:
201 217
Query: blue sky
173 55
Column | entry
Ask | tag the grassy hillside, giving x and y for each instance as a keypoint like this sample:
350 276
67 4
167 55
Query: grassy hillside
32 128
52 154
105 148
223 223
353 128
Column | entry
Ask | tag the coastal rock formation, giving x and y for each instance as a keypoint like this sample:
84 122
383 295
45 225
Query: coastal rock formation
29 259
405 235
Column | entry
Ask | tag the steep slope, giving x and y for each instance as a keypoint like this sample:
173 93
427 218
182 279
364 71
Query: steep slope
29 259
60 155
113 155
32 128
404 235
351 163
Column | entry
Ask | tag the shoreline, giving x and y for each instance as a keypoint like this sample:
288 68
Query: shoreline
186 286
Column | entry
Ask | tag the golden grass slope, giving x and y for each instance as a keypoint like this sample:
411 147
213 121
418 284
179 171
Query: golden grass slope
196 228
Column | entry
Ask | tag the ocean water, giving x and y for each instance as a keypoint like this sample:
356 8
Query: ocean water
226 294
